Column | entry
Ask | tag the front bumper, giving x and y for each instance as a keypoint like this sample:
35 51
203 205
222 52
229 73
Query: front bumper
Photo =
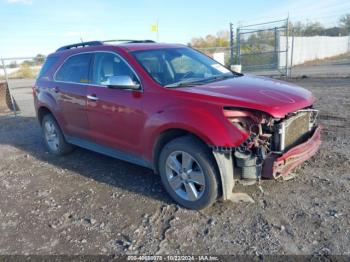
280 165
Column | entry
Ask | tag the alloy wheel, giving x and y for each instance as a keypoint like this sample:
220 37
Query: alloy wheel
185 176
51 136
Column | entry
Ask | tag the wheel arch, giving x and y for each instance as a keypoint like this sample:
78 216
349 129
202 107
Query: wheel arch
42 111
168 135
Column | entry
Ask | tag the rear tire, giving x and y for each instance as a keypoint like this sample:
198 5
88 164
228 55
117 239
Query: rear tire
188 173
53 137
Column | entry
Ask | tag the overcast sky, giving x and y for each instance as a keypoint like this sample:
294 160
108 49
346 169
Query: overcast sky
29 27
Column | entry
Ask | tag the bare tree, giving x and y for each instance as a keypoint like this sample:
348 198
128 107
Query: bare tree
344 23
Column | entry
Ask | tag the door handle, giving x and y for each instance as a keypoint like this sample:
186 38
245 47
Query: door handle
56 89
92 97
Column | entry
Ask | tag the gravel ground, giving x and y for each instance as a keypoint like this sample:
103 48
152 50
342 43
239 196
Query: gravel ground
86 203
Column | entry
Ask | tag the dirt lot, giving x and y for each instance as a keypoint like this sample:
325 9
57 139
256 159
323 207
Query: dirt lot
86 203
329 67
338 66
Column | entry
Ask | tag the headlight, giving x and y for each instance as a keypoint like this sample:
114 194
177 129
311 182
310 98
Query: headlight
245 121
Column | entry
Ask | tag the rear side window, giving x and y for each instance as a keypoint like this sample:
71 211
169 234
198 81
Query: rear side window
49 62
75 69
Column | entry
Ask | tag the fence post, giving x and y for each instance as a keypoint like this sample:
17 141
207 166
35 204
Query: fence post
275 49
231 44
238 43
291 57
287 45
9 88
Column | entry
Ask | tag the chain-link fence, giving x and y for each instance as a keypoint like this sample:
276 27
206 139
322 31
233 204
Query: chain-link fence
17 77
258 47
220 54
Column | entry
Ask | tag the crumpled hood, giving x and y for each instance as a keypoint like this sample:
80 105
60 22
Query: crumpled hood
274 97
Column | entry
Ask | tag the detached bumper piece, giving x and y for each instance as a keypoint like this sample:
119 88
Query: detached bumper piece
281 165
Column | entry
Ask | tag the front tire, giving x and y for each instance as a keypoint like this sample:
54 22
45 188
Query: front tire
188 172
53 137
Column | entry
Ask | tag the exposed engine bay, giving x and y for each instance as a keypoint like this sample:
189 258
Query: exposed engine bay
270 138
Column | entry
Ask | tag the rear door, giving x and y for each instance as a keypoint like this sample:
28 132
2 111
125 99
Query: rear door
116 118
71 85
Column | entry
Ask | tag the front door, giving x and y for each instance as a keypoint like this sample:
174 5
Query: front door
115 115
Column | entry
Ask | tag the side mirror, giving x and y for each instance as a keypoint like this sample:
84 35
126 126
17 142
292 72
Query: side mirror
123 82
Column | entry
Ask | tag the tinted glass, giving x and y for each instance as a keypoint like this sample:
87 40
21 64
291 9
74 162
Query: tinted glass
47 65
107 65
75 69
174 65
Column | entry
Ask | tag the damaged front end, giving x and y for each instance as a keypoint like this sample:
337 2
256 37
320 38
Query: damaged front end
274 146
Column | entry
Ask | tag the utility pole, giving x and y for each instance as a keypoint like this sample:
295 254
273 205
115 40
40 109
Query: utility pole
238 44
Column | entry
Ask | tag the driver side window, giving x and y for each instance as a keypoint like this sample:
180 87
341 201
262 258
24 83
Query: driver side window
107 65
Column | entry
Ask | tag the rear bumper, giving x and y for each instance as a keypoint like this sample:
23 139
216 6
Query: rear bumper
281 165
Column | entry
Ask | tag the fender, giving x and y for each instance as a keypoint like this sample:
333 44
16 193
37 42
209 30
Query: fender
45 99
211 127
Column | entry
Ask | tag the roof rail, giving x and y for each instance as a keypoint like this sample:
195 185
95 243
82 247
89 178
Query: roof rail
82 44
129 41
95 43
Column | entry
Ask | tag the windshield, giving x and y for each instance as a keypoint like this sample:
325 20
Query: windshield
175 67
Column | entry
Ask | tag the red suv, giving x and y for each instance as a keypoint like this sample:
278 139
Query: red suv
170 108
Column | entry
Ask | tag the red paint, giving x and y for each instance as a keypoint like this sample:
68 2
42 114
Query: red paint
295 156
274 97
116 119
282 165
133 120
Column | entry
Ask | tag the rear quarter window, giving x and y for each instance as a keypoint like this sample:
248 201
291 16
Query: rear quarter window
49 62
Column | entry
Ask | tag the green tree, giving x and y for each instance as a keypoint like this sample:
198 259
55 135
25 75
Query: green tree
39 59
221 39
13 64
313 29
296 29
28 63
333 31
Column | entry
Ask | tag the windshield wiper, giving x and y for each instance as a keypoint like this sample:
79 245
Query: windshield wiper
180 84
213 79
210 79
200 81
